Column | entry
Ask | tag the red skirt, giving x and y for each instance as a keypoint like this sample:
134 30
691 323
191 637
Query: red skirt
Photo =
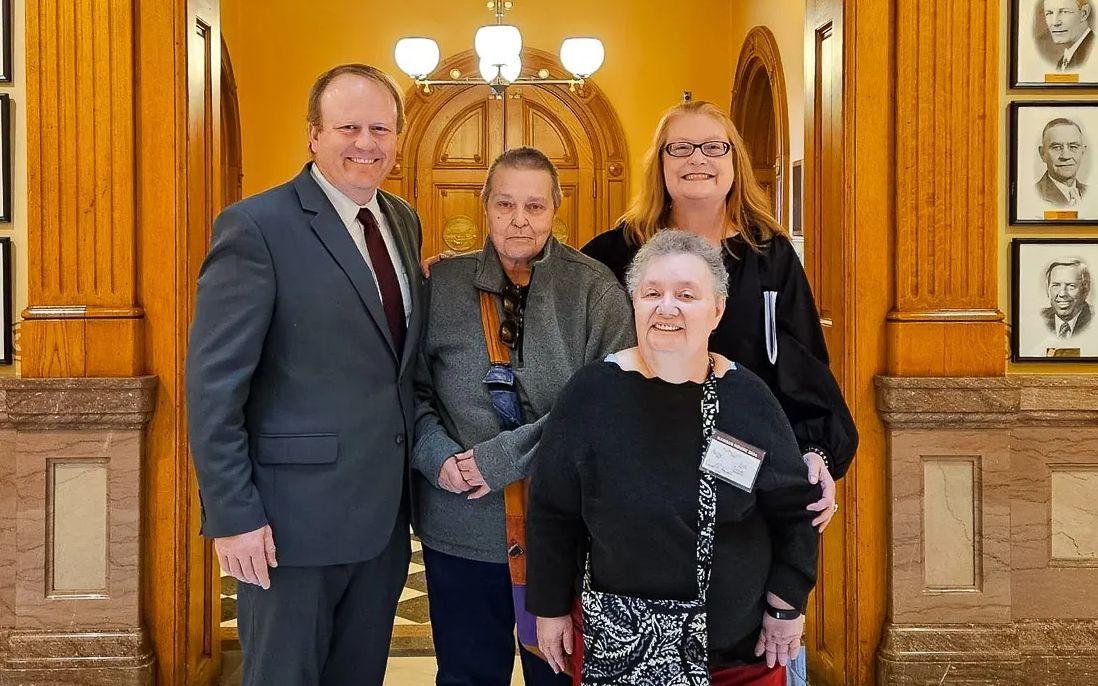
752 675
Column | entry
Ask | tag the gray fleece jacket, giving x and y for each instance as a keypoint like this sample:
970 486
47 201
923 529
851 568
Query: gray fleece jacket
576 312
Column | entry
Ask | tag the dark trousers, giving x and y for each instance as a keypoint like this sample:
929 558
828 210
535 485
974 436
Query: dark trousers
324 626
473 623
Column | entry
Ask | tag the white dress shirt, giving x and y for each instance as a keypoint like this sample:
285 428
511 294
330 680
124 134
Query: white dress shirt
347 210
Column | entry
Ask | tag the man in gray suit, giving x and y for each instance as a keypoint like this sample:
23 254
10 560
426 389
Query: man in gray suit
1062 149
299 395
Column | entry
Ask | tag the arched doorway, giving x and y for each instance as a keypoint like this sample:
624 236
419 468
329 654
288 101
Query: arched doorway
454 133
232 163
761 113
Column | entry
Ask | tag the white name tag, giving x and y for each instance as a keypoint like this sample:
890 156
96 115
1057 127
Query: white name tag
733 461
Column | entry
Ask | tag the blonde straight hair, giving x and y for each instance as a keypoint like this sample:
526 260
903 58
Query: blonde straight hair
747 208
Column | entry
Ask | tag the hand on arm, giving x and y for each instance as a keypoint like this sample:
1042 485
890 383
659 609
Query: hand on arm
818 473
247 556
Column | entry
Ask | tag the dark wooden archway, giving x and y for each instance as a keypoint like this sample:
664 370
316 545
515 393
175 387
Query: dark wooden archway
760 110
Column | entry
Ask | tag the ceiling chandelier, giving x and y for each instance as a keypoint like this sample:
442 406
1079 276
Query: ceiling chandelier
499 47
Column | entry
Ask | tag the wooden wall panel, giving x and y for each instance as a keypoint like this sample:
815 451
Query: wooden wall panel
80 185
945 319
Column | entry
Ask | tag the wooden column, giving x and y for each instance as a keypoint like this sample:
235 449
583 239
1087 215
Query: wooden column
82 318
945 320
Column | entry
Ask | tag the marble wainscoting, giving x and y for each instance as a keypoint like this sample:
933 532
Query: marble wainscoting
70 521
994 531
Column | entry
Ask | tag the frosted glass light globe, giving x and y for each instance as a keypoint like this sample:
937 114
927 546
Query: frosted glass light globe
416 57
582 56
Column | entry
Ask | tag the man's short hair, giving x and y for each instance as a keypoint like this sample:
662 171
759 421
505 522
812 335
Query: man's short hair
366 72
528 158
1084 272
1060 121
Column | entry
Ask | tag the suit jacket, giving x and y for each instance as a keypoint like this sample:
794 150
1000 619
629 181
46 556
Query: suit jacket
1079 59
299 408
1081 324
1052 194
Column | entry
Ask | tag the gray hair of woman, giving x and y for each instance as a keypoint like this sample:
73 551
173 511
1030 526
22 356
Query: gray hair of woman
678 242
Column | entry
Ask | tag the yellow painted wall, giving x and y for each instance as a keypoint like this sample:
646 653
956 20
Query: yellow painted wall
1007 232
654 51
17 229
785 18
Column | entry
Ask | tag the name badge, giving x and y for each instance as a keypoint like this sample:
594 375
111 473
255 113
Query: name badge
733 461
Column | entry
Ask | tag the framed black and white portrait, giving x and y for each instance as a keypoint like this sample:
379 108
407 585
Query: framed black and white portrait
5 157
6 321
1052 44
1053 301
7 27
1052 168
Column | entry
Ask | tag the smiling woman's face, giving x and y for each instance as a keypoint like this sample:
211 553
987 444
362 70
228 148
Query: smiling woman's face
675 306
697 177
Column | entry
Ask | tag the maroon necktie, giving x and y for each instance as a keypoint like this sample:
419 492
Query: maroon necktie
386 276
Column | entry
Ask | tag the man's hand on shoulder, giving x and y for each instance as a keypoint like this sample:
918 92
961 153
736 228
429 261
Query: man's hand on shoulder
247 556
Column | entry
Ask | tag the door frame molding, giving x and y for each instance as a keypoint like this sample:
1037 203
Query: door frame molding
760 53
591 107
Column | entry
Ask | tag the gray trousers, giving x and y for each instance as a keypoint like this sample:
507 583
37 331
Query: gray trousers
324 626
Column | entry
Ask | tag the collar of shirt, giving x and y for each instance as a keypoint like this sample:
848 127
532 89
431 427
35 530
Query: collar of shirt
1064 188
1070 52
1070 322
346 208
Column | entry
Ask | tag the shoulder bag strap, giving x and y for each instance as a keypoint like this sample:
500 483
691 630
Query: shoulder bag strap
515 493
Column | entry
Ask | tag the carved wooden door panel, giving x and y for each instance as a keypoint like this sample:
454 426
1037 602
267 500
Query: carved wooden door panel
451 165
472 129
832 613
201 649
536 117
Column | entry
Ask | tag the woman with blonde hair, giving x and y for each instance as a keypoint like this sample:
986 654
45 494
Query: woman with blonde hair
698 177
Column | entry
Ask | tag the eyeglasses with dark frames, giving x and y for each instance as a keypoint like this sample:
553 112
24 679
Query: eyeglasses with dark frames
510 329
708 148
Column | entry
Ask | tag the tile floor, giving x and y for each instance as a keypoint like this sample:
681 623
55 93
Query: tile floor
403 671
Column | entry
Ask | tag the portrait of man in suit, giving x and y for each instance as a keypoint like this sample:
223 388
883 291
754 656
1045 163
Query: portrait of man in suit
1062 150
1069 39
299 395
1067 285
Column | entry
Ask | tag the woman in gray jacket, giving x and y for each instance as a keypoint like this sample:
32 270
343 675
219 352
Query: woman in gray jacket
477 424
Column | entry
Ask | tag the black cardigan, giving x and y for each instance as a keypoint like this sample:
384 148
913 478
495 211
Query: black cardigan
801 378
618 462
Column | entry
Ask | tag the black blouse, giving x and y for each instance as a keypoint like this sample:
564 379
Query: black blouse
800 377
618 462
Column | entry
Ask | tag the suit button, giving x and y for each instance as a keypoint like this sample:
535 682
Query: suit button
399 438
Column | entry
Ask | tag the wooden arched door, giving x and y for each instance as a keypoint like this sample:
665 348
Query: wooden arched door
761 113
454 133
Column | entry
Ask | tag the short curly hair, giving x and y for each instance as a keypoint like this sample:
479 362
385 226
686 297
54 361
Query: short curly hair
679 242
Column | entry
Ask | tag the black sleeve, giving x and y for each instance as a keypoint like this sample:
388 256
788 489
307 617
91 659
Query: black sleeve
555 532
611 248
782 492
804 385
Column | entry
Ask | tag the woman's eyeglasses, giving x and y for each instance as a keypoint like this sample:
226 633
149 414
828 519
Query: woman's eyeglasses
708 148
510 329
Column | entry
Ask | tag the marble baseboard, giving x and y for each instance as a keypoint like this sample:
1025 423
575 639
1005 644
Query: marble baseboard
1024 653
50 658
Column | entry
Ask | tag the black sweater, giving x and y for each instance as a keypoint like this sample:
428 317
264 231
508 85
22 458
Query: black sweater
801 378
618 461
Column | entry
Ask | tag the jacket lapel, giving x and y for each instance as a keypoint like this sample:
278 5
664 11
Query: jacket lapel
331 231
